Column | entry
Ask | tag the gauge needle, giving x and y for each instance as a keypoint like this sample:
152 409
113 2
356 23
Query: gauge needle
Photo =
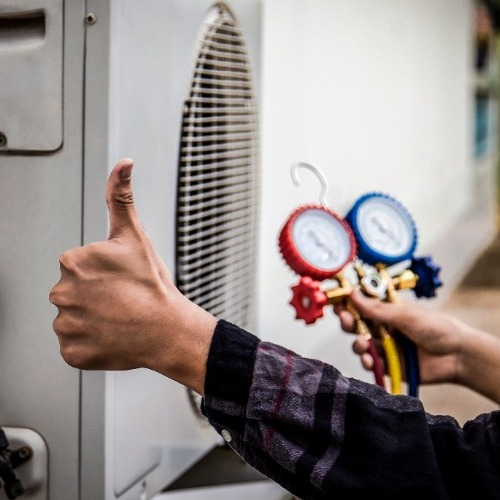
320 242
384 229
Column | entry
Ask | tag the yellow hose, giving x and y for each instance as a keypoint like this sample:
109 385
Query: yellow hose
392 358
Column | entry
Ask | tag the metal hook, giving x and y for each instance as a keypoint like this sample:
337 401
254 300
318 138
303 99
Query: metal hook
319 174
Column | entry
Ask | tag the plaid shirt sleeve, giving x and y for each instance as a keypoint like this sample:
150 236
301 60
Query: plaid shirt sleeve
322 435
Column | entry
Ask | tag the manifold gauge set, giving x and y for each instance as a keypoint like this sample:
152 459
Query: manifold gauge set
372 248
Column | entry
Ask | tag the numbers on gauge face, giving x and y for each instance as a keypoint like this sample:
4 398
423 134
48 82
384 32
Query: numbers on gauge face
321 239
385 227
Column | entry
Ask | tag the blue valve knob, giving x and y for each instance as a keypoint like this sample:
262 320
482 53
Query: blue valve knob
428 276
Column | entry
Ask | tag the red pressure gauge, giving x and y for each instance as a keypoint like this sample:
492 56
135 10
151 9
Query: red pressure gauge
316 242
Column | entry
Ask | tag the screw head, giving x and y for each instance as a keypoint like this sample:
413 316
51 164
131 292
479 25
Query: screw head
90 18
3 140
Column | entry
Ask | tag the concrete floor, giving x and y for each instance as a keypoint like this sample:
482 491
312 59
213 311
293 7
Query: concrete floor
476 301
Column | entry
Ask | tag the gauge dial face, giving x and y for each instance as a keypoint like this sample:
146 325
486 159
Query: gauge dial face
385 226
321 240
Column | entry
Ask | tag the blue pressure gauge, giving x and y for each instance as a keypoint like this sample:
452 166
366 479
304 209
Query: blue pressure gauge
384 230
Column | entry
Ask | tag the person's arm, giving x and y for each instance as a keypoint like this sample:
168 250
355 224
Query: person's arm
322 435
297 420
449 350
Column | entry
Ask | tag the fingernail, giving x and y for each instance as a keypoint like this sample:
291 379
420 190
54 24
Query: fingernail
126 172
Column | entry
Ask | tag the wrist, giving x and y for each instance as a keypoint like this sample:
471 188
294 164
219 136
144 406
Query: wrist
185 336
467 338
479 368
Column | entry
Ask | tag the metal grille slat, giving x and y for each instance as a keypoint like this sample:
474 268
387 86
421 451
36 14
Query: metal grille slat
204 82
225 69
223 165
231 102
225 46
219 90
227 120
237 136
224 33
217 146
221 113
232 77
219 53
245 153
223 66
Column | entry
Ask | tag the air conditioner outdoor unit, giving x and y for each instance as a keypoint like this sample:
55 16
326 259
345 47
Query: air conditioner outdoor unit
172 84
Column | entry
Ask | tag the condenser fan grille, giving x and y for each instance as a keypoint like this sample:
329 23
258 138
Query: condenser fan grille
216 222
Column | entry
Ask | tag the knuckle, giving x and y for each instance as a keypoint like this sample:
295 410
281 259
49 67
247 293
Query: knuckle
347 326
360 346
58 325
378 306
65 325
121 197
67 261
72 355
379 310
126 197
54 296
61 296
355 348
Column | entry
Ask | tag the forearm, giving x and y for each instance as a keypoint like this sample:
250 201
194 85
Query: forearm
322 435
479 363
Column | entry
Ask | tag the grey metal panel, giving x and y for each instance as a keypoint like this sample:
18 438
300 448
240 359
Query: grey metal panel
40 217
31 66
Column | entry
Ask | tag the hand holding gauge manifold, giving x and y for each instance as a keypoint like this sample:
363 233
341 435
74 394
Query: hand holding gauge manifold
421 277
381 231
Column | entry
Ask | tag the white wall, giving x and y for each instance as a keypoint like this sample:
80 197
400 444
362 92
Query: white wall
378 94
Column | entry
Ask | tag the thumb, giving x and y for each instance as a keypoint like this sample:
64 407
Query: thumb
374 309
120 200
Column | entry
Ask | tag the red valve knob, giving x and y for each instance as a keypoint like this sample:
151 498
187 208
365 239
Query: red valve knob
308 300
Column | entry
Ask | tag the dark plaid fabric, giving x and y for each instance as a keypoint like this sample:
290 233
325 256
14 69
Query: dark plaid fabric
322 435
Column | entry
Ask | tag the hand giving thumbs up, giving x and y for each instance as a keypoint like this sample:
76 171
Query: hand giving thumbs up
118 308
